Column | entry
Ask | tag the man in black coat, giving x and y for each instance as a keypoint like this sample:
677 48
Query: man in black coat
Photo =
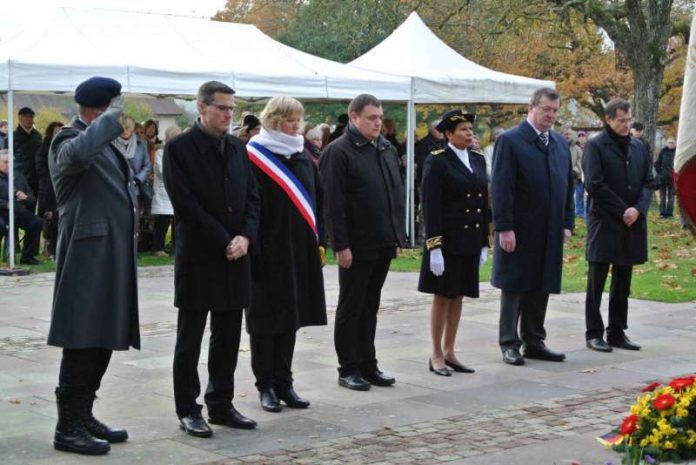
27 141
532 197
95 301
664 171
24 201
619 181
364 199
211 184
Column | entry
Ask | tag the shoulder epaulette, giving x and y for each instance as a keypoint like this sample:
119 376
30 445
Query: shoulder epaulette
437 152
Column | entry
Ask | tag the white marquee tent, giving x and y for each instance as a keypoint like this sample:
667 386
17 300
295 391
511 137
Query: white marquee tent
439 74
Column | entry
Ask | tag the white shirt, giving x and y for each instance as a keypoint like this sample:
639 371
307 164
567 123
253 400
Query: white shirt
463 155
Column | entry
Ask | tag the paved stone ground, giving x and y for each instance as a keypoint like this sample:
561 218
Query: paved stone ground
542 413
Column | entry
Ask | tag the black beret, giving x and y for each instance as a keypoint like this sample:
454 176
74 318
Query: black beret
26 111
451 119
97 91
637 126
251 122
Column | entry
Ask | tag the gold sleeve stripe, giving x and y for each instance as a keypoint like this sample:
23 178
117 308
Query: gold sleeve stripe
433 242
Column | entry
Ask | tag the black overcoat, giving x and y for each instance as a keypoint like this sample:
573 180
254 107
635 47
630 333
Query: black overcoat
287 280
455 203
532 194
95 302
213 191
615 182
664 167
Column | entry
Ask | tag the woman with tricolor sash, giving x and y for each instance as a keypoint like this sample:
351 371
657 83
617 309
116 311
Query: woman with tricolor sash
287 260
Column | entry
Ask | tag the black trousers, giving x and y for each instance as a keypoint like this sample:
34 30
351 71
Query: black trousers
159 232
666 201
32 226
356 314
83 369
50 233
528 309
618 299
271 360
225 330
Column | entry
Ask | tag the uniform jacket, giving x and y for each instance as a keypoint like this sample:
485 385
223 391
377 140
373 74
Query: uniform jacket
287 279
664 167
455 203
212 188
532 194
95 302
614 183
364 193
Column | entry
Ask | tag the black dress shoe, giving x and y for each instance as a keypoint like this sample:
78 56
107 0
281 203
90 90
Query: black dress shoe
354 382
512 357
598 344
622 342
378 378
291 399
438 371
458 367
230 417
539 351
29 261
269 400
195 425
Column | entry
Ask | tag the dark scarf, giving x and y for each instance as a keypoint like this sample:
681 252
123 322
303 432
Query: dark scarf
624 142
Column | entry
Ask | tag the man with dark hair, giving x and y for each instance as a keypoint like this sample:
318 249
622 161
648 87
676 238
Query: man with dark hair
340 128
27 141
95 301
532 197
637 131
364 201
211 184
619 181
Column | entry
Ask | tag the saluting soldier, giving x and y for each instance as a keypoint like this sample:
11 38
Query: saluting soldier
456 215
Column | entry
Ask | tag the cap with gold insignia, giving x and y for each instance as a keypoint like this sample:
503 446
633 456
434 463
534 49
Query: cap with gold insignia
451 119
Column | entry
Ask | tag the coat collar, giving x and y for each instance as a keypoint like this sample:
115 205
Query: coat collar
605 140
358 140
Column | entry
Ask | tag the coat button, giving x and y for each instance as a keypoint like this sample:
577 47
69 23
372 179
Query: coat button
480 194
229 209
478 210
468 210
477 225
629 188
468 195
466 226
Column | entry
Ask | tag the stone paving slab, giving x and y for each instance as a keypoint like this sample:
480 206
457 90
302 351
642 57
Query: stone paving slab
542 413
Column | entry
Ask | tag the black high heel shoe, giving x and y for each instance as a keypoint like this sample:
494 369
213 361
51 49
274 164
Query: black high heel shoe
438 371
459 368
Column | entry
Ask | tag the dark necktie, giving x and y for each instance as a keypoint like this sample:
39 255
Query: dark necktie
544 136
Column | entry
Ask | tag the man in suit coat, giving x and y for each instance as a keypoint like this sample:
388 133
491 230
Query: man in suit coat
619 180
210 181
532 199
95 302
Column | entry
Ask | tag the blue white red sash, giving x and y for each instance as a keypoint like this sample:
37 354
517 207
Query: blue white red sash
269 163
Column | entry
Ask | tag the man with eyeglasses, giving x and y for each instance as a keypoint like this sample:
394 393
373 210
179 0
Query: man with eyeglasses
619 181
532 196
211 184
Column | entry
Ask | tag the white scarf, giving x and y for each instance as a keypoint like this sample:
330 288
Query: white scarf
279 142
126 146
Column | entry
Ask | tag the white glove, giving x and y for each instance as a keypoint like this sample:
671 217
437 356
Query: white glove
117 103
484 256
437 262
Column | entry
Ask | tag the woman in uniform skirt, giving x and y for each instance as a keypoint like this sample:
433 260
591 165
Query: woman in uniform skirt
456 217
287 259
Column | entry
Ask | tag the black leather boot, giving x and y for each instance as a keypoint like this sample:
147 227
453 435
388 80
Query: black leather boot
98 429
71 435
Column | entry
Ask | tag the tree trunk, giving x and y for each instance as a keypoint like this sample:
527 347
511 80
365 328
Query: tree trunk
647 83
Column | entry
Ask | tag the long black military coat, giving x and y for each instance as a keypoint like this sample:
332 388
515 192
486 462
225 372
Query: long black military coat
532 194
455 203
615 182
287 280
212 187
95 301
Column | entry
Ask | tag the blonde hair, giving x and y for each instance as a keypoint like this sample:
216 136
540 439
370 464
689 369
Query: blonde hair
277 109
171 132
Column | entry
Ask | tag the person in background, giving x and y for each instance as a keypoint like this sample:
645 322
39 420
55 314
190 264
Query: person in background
4 128
287 281
490 148
342 123
637 131
664 171
135 151
250 127
161 207
456 215
27 141
576 162
47 196
475 143
313 144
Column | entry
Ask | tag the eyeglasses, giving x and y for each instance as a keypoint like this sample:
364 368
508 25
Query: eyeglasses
223 108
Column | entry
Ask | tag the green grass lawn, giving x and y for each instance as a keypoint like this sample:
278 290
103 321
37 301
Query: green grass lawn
669 275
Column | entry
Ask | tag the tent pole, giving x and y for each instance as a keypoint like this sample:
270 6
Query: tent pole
10 174
410 142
